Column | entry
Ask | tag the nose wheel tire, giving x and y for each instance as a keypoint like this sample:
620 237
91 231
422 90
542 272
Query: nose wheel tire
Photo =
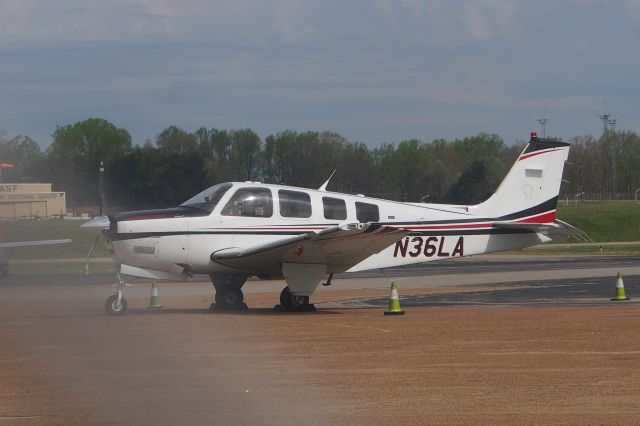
113 307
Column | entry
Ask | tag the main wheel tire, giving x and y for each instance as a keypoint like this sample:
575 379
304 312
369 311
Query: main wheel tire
229 297
112 307
291 301
285 294
299 301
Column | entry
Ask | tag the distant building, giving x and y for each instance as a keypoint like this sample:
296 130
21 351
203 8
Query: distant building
30 200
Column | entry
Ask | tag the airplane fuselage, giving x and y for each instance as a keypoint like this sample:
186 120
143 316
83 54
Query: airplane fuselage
172 241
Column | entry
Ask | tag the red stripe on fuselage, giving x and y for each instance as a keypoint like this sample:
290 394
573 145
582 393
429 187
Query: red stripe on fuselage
147 216
440 227
541 218
273 229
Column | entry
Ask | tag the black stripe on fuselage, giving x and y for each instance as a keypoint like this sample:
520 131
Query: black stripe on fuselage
540 208
140 235
532 211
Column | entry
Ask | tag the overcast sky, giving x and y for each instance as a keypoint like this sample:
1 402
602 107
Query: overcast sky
373 70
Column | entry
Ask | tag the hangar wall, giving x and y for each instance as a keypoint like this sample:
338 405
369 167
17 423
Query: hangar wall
30 200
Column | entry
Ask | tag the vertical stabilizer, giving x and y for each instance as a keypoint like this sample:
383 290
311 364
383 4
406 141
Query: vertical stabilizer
530 190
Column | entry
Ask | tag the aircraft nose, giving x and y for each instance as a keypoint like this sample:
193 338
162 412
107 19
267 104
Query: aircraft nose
96 225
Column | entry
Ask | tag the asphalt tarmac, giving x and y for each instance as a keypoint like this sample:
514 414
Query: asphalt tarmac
487 340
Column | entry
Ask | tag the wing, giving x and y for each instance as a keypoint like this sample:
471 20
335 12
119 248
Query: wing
557 229
33 243
339 248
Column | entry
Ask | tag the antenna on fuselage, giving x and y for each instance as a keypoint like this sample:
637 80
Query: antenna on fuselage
324 185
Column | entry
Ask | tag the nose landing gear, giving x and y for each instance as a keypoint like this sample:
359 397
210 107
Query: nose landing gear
116 304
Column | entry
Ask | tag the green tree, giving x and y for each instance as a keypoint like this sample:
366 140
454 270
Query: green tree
147 177
584 173
245 154
204 139
174 140
476 183
95 139
355 167
479 147
75 154
628 161
27 157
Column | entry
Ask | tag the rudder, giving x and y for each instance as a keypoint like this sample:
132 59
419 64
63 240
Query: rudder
529 192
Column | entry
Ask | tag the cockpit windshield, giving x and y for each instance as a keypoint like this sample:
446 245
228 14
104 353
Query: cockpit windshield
209 198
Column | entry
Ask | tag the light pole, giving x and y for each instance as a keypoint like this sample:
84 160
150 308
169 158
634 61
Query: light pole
424 197
101 188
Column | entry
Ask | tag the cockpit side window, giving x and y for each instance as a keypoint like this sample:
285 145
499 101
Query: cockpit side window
294 204
250 202
208 199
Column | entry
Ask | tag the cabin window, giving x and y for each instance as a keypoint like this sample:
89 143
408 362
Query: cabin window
250 202
294 203
334 208
366 212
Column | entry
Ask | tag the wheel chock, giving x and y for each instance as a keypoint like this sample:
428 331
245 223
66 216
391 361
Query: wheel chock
306 308
218 307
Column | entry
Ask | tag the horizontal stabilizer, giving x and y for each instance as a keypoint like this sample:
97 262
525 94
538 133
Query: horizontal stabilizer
552 230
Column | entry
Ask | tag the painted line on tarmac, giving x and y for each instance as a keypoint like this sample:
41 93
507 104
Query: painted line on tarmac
563 353
20 417
360 327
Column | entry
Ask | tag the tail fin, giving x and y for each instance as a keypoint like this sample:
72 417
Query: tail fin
529 192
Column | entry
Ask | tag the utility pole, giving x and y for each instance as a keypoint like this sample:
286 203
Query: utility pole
605 122
543 126
103 202
607 161
613 145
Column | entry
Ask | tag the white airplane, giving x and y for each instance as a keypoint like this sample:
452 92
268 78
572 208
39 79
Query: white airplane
232 231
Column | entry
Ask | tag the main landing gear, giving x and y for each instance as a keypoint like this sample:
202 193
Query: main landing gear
293 303
229 296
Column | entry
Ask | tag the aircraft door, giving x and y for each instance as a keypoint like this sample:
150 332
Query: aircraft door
247 212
